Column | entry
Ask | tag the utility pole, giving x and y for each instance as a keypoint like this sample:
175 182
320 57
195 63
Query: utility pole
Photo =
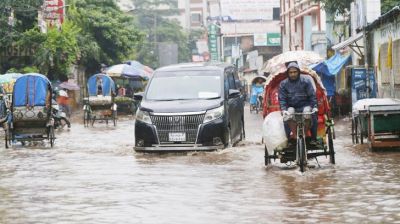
366 49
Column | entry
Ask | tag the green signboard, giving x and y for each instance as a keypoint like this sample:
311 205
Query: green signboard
273 39
213 31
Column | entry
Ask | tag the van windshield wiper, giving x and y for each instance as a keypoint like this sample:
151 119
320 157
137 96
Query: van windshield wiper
172 99
212 98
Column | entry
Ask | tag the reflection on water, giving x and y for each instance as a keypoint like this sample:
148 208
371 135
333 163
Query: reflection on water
93 176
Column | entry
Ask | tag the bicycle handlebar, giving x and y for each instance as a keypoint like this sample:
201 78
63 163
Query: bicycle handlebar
304 113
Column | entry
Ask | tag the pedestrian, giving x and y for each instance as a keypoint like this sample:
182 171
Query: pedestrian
121 90
63 101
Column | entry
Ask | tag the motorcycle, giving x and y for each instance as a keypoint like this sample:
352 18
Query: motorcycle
60 117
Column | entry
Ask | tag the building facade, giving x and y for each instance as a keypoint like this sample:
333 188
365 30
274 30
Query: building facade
303 26
383 38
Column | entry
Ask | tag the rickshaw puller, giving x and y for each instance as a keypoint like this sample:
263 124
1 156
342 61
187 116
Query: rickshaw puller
297 94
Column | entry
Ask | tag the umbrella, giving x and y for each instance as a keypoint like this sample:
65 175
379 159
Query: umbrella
10 77
124 70
146 70
304 59
135 64
8 80
69 86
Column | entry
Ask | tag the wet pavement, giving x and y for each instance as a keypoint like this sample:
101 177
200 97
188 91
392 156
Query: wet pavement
92 175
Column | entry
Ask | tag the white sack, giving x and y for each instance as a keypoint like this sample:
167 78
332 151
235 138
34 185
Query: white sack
274 132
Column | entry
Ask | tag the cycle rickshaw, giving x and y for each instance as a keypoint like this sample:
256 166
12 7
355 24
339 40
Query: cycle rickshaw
301 152
30 117
100 105
257 89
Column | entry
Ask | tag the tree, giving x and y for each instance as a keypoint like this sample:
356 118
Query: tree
107 35
335 6
25 17
56 51
158 27
387 5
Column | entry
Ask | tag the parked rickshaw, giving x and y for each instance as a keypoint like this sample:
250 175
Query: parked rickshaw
100 105
301 152
256 95
377 121
30 117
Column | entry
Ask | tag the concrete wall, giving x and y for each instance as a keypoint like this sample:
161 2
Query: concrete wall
379 38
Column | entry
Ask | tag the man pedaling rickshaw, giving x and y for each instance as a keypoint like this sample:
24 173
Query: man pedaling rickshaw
297 95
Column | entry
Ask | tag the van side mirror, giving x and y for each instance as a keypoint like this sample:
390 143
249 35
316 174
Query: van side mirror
233 93
138 96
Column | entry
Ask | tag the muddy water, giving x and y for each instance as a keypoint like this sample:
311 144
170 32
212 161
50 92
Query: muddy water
93 176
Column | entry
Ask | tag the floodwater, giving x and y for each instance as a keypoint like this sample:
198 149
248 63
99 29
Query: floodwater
92 175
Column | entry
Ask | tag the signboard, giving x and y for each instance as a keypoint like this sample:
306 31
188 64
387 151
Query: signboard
267 39
54 11
260 39
197 58
359 84
249 9
273 39
213 31
52 14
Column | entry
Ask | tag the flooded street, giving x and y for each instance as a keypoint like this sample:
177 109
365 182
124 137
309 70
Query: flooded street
92 175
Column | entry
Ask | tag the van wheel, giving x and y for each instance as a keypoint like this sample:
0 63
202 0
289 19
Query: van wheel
242 132
228 138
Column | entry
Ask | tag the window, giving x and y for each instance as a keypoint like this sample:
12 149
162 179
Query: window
196 17
231 81
276 13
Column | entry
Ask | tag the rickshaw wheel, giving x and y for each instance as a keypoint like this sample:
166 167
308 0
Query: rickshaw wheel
353 137
267 160
301 150
331 147
115 118
51 136
85 118
359 129
7 138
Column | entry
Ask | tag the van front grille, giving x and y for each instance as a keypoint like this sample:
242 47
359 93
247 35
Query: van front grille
188 124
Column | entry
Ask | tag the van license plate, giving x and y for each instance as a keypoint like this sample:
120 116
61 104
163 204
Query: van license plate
177 137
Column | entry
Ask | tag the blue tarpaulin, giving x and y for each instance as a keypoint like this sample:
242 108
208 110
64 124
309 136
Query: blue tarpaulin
108 85
255 90
328 69
31 90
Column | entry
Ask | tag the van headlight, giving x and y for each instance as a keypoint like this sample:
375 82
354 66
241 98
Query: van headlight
143 116
214 114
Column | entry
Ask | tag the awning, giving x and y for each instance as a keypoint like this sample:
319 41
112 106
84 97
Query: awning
349 42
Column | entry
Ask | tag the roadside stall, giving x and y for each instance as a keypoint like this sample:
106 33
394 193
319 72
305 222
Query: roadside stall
378 121
128 79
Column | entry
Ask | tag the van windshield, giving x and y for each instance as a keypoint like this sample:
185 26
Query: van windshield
185 85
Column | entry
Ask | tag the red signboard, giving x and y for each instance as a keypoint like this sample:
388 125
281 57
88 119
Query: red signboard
54 11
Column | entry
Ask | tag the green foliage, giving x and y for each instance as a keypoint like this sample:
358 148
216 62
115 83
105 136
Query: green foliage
30 69
387 5
335 6
107 35
25 17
